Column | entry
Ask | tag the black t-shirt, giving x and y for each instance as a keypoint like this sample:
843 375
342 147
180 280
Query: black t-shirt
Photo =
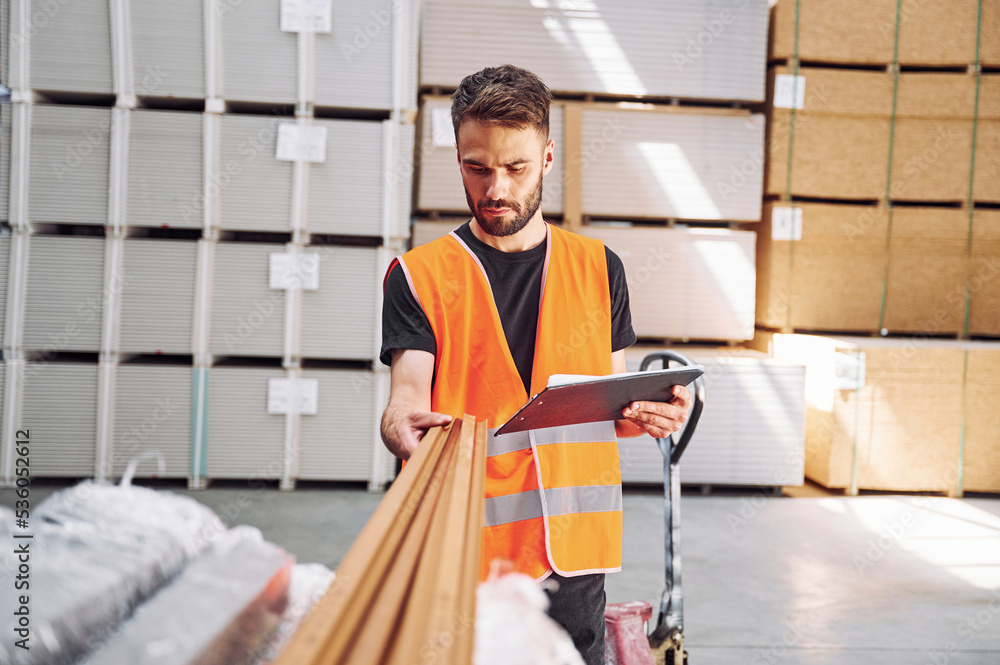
516 280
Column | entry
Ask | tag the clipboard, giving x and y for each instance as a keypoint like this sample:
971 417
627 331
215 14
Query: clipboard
598 400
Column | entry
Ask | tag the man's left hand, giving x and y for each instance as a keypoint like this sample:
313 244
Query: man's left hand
658 419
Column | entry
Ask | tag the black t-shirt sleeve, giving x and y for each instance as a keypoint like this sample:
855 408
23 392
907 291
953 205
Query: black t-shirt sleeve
404 324
622 335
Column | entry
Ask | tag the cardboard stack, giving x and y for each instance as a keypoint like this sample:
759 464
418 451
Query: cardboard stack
903 414
881 188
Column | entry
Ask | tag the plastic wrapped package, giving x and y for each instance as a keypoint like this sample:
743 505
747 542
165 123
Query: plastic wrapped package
97 550
625 640
216 612
512 627
309 582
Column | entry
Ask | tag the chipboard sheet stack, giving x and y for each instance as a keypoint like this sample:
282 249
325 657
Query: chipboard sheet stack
881 183
280 132
883 179
868 401
752 431
830 275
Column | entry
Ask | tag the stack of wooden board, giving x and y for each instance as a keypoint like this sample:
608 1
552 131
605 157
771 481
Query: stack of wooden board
829 276
903 414
862 31
883 176
406 589
847 123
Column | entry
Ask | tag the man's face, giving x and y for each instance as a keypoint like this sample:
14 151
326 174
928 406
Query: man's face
502 171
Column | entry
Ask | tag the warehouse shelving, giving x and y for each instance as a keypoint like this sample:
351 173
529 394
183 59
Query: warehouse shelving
170 179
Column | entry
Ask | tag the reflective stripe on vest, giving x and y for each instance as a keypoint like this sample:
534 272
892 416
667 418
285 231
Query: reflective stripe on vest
558 501
574 524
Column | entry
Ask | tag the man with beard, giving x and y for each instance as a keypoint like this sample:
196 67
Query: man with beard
476 322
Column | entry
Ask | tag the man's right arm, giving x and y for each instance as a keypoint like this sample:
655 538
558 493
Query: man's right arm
408 415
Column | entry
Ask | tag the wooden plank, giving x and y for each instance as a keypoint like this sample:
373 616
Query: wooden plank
375 547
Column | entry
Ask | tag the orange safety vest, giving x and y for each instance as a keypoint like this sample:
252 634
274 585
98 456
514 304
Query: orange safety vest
553 496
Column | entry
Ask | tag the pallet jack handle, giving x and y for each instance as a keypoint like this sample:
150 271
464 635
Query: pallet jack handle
670 621
677 449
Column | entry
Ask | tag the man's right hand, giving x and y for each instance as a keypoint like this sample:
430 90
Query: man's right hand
408 415
402 430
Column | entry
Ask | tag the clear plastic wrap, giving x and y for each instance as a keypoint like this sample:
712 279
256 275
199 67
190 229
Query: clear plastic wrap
512 627
97 551
309 582
216 612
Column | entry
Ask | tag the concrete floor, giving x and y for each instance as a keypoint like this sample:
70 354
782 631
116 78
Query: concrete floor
767 579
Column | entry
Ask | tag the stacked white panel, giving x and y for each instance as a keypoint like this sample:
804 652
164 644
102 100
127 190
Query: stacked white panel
400 176
674 165
354 62
4 274
71 45
5 137
165 165
440 181
168 48
244 440
247 316
157 296
345 191
707 49
256 188
424 231
59 407
336 443
152 413
260 62
5 29
64 302
70 155
752 431
338 319
686 283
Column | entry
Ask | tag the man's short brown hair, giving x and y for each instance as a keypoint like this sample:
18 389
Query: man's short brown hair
506 96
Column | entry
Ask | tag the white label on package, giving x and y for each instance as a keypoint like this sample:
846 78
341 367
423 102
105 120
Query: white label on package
786 223
849 370
442 130
301 143
306 15
783 91
300 271
292 396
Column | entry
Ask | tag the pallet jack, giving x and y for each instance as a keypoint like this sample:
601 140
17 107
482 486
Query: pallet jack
666 640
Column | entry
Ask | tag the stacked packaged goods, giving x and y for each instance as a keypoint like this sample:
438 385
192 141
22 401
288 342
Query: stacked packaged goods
750 432
188 193
880 219
657 152
897 413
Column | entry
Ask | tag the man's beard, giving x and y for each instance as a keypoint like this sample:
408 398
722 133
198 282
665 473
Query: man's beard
497 226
